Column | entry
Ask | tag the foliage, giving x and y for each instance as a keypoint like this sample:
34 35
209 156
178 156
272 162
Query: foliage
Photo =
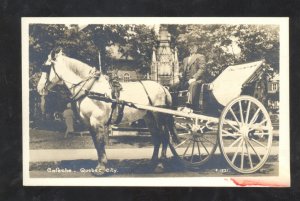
260 42
134 41
140 44
224 45
43 38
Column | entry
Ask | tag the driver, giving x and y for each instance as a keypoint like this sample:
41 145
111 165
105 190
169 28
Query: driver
192 72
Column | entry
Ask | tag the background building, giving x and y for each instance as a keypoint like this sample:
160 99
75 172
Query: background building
273 93
165 66
124 66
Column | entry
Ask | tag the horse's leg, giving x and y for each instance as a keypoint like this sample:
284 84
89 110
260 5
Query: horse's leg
165 142
165 137
155 133
98 136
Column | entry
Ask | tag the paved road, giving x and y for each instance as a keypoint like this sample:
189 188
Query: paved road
113 154
124 161
133 162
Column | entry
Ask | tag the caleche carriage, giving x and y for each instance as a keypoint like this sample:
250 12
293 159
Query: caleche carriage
243 130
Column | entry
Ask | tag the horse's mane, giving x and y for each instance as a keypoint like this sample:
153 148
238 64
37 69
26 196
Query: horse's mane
79 68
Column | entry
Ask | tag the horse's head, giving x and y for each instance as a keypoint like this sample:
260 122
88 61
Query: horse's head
49 77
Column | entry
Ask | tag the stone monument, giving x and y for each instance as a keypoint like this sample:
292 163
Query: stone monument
165 66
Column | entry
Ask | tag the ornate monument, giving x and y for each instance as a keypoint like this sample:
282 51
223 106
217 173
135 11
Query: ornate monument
165 66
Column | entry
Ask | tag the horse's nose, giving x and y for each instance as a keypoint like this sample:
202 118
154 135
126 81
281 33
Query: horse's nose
45 64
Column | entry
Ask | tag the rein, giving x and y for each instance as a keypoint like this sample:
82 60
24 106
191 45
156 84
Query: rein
84 91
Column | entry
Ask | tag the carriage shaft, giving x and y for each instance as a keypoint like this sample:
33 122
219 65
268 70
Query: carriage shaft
177 113
194 116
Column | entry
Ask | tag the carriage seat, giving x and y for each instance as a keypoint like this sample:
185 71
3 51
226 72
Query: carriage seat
182 95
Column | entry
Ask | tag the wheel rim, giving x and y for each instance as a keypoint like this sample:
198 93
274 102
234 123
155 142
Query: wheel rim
195 147
245 134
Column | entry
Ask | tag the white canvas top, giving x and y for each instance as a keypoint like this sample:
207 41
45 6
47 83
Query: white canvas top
228 85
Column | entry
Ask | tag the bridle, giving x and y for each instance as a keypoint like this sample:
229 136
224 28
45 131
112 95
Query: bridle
47 68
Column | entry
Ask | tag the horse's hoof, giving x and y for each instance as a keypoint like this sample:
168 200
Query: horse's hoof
99 171
159 168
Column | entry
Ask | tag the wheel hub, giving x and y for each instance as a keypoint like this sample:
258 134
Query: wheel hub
244 131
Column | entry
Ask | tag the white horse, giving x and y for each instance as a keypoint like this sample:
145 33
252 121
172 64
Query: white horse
79 77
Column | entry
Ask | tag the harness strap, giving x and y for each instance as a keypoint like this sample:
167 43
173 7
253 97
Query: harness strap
87 85
166 97
150 101
116 105
113 107
120 109
120 113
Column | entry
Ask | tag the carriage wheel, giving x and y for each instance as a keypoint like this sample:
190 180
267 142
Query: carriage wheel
196 146
245 134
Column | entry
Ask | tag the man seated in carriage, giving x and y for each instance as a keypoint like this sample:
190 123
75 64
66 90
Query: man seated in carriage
191 76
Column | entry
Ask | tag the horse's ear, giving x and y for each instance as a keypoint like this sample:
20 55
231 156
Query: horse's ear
52 54
56 52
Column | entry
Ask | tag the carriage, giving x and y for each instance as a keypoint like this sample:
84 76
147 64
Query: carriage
235 122
232 120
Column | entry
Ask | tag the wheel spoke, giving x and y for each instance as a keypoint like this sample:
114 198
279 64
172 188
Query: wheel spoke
181 143
241 112
262 133
235 118
232 126
235 154
257 125
187 148
199 150
207 140
236 141
248 112
254 117
193 151
242 156
230 134
257 142
254 150
204 147
249 154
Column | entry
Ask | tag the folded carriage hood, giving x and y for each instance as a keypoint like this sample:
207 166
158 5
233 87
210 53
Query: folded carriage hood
228 85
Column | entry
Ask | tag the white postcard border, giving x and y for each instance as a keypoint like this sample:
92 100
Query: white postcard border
283 180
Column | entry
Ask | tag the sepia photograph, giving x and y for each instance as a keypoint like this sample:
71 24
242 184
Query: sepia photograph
155 101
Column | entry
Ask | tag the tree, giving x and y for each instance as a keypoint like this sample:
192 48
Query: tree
134 41
141 41
224 45
260 42
43 38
